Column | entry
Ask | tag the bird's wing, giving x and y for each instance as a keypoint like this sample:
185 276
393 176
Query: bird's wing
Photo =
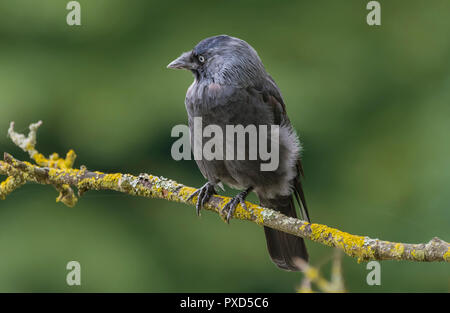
273 97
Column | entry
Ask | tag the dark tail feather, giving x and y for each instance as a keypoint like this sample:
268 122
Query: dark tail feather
284 248
300 197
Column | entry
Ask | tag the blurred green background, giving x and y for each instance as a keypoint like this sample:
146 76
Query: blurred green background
371 105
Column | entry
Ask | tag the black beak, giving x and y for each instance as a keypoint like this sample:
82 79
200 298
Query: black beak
184 61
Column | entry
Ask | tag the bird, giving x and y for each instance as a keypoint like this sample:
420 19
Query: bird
232 87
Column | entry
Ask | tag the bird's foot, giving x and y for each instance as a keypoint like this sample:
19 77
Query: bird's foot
204 194
230 207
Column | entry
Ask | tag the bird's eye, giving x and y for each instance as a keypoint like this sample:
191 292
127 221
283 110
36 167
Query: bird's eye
201 58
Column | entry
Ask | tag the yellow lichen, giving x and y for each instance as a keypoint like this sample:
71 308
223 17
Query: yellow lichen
40 159
447 255
29 146
398 250
303 227
352 245
6 187
66 196
311 273
70 159
418 254
54 161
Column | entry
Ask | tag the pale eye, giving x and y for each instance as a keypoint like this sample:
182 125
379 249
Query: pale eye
201 58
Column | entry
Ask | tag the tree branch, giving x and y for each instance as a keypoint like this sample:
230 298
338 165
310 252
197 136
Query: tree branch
60 173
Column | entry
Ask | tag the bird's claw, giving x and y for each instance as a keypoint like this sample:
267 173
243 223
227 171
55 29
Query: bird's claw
229 208
204 194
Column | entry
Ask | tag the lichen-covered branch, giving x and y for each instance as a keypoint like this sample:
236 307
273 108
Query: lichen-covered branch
60 173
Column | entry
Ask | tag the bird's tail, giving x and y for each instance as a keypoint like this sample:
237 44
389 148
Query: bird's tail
284 248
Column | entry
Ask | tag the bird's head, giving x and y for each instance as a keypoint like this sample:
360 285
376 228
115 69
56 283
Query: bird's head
223 60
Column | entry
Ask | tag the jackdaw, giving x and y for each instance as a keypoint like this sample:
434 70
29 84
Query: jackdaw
232 87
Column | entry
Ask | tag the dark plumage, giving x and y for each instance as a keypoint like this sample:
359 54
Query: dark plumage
232 87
